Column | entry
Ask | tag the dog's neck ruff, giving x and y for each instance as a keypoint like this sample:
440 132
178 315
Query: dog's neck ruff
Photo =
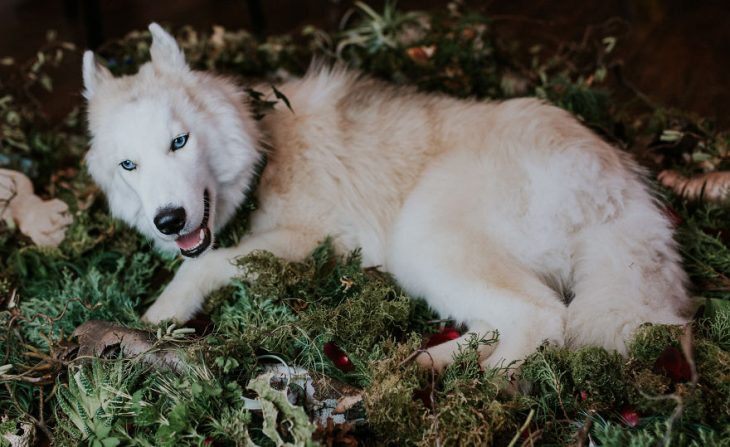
231 228
258 172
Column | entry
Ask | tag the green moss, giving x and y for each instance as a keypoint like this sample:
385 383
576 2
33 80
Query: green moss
717 327
475 409
109 288
395 414
650 340
293 309
713 367
599 374
643 386
358 323
547 374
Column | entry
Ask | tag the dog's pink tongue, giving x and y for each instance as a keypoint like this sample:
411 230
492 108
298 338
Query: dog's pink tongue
189 241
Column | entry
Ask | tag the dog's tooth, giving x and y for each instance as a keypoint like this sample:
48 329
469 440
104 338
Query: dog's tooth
202 234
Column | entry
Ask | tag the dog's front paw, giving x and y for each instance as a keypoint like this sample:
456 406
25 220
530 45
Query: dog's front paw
166 310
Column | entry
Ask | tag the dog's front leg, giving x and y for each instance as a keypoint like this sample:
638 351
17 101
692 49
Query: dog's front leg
196 278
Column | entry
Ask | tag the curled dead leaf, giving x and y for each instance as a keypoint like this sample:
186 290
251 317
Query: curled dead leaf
96 337
346 402
421 55
44 221
710 187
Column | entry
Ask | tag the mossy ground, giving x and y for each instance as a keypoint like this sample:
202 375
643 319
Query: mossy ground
104 270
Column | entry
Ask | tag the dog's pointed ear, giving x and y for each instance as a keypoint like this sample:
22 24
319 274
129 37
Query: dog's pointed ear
93 74
164 50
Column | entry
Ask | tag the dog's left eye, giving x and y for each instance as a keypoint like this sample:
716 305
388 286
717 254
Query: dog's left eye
128 165
179 141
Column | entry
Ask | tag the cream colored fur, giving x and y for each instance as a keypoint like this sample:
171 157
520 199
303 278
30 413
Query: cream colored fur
492 212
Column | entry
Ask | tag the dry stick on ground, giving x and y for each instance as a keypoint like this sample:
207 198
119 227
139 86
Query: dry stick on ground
37 423
47 360
524 427
581 436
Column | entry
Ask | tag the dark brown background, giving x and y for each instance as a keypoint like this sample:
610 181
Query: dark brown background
675 51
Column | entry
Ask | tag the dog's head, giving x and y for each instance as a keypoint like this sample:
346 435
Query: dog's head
173 149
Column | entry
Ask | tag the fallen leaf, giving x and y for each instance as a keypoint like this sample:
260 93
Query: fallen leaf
710 187
673 364
347 402
421 55
44 221
96 337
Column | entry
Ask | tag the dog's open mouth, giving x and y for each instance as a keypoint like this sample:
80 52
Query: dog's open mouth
197 241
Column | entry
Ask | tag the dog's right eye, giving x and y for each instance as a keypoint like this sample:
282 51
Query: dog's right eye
129 165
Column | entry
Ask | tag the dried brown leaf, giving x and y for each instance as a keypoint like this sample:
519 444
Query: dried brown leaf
710 187
95 337
347 402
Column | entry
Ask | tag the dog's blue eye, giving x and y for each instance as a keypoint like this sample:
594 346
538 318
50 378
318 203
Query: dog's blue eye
129 165
179 141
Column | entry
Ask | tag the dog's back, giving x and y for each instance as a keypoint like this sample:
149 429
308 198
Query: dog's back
511 197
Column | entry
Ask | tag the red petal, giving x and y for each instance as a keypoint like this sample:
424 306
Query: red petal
446 334
672 363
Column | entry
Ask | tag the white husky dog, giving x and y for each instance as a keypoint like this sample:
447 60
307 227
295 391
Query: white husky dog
502 215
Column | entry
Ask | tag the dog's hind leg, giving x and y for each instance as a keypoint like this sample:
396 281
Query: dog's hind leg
197 278
440 356
464 276
627 272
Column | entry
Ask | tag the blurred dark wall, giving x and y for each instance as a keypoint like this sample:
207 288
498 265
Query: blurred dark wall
675 51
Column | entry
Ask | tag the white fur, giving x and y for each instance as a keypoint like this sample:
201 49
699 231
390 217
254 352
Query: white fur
492 212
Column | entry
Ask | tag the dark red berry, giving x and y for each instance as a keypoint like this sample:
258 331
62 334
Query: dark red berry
338 357
630 416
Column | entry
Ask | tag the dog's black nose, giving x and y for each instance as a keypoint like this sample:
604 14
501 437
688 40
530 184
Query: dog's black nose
170 220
